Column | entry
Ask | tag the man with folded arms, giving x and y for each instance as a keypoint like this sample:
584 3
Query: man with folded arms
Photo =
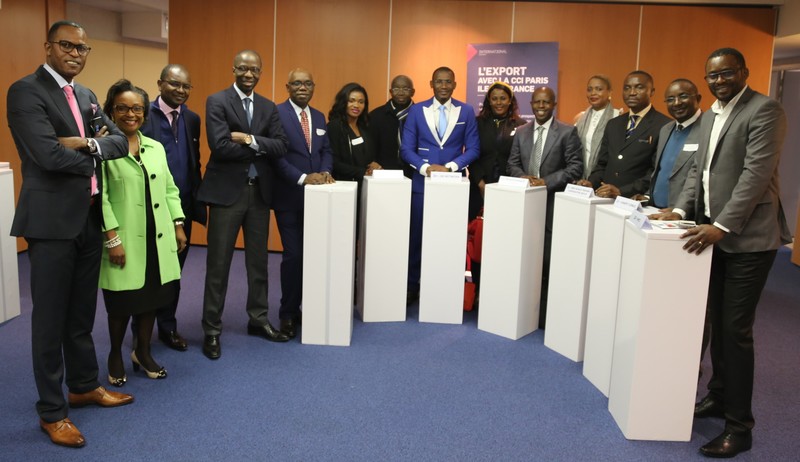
62 138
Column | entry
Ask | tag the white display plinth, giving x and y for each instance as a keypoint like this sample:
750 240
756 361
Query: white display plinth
328 268
383 249
601 311
9 273
658 338
444 251
511 260
570 263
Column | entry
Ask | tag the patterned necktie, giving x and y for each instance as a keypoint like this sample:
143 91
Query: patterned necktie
174 124
247 111
69 92
536 158
306 128
442 122
631 126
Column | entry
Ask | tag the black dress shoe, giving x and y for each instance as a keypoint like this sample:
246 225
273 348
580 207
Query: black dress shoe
728 445
289 327
211 347
173 340
709 407
268 332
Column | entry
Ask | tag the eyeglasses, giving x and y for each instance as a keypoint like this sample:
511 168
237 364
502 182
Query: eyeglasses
297 84
402 90
122 109
441 82
177 85
241 69
727 74
683 97
67 47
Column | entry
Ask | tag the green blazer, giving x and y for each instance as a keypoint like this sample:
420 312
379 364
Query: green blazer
124 210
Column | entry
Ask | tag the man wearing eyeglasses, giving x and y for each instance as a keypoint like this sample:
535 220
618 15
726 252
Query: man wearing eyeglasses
625 159
62 138
386 125
733 193
178 129
245 136
308 160
440 135
677 143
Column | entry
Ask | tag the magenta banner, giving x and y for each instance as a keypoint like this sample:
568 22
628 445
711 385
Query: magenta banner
523 66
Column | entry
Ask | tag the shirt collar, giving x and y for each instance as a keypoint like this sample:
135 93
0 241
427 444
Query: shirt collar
447 104
165 108
546 125
642 113
717 107
61 81
298 109
242 95
688 123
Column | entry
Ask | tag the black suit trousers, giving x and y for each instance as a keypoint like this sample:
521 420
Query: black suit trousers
737 280
64 280
290 225
251 214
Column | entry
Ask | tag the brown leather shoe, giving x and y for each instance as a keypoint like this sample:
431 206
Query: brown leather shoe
101 397
63 433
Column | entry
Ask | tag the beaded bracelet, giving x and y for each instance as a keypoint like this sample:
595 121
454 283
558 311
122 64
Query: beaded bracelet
113 242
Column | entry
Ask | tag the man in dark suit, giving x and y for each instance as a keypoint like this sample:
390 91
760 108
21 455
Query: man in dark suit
308 160
440 135
547 153
52 120
245 135
625 160
178 129
740 214
677 143
386 125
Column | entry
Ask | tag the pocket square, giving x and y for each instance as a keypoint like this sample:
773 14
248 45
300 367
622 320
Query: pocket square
320 132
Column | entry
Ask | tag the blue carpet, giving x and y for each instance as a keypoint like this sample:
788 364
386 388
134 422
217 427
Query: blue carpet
401 391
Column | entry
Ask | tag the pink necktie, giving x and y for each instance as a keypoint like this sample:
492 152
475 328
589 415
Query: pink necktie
306 128
76 113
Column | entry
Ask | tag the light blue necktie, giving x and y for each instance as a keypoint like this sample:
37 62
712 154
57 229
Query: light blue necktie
442 122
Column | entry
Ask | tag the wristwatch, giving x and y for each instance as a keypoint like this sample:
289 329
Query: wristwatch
91 145
248 140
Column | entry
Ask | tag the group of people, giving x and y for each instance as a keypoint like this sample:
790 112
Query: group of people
109 194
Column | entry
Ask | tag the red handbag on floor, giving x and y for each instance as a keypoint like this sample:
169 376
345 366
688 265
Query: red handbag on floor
469 287
475 237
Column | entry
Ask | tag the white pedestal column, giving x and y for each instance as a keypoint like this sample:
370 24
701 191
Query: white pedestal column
9 273
511 261
570 262
601 312
383 249
444 251
328 268
657 339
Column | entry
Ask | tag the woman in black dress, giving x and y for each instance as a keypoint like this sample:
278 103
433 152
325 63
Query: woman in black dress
353 151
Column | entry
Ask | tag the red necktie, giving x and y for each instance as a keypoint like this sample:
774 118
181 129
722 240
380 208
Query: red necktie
76 113
306 129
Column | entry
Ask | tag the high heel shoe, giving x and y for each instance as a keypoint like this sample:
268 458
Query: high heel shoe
117 381
159 374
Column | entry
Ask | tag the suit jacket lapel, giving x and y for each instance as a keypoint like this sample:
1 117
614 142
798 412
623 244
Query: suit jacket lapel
59 99
238 107
644 124
549 142
452 119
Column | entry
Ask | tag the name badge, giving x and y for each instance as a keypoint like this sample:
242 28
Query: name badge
640 220
320 132
579 191
629 205
690 147
514 182
513 132
450 177
357 141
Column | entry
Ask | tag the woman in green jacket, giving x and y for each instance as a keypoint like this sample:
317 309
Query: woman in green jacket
143 223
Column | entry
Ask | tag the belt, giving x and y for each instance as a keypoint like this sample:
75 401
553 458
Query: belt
252 180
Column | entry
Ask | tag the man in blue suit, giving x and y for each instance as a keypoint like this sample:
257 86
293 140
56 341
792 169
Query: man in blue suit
440 135
307 161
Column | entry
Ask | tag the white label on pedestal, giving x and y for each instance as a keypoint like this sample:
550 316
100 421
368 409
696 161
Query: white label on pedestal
579 191
387 174
451 177
514 182
626 204
4 164
640 220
